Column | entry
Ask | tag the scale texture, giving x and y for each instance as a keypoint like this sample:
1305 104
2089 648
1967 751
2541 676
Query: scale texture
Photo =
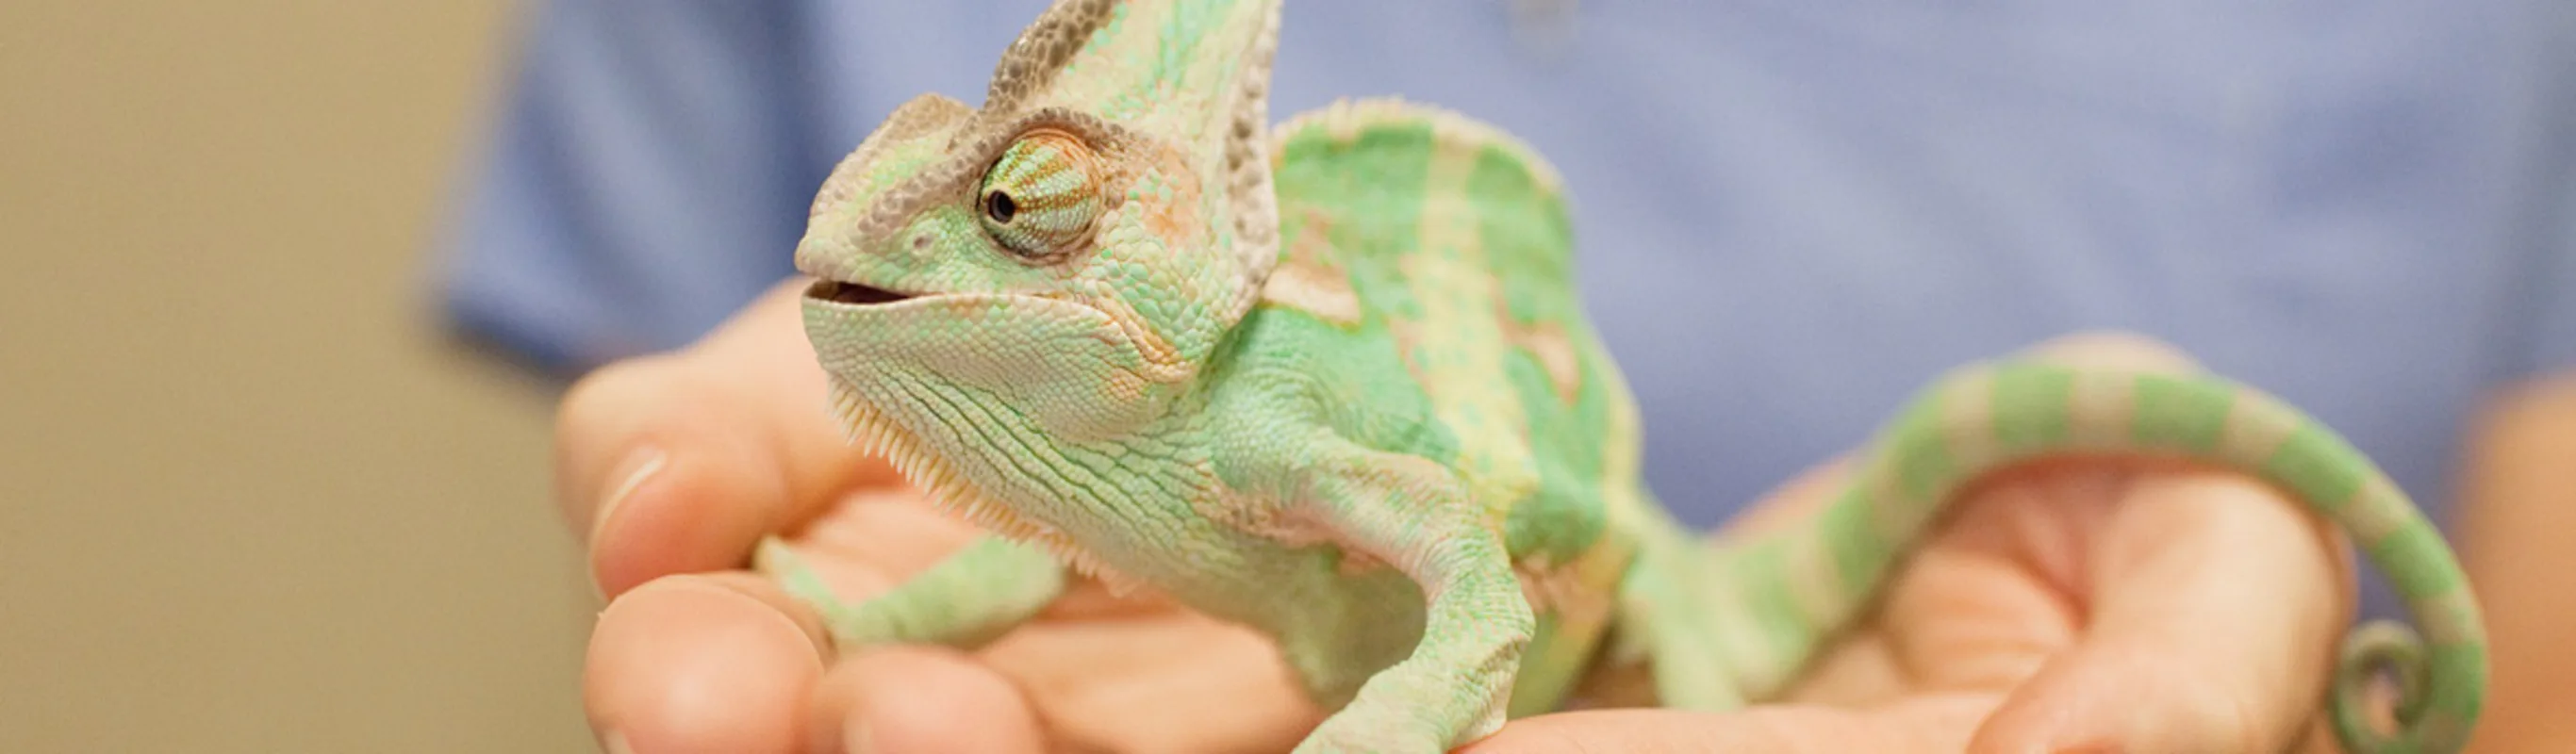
1332 380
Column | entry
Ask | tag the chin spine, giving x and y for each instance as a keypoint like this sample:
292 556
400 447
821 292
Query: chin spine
868 430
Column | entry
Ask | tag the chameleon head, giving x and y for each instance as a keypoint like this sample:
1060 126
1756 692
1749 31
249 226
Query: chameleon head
1063 260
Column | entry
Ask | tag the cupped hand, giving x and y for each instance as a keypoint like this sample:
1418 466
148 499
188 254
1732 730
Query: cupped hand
676 465
2064 608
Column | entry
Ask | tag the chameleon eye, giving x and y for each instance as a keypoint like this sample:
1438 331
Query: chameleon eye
1042 195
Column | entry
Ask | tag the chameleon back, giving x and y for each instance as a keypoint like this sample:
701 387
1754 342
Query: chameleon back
1445 247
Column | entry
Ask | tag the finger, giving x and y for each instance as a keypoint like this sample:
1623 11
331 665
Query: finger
1920 724
2113 350
679 462
700 663
878 537
2213 602
1790 503
905 699
1170 682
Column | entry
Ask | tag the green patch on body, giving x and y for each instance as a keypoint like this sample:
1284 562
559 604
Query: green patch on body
2031 407
2180 414
2319 466
1924 466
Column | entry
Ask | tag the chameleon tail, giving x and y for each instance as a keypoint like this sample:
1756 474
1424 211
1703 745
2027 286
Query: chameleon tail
1986 417
2392 646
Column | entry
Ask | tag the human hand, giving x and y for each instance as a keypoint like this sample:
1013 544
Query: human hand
675 465
2183 612
2067 606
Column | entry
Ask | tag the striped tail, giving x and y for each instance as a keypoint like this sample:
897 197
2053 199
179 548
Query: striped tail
1988 416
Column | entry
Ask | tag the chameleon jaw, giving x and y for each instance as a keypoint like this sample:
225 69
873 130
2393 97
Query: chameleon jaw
863 332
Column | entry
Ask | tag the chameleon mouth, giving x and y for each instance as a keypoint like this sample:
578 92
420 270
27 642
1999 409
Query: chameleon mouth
853 294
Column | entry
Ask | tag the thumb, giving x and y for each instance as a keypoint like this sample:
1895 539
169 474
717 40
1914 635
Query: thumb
2214 603
678 462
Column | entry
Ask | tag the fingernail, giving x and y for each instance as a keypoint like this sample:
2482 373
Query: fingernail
639 467
614 742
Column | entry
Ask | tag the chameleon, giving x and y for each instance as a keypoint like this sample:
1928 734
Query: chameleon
1331 380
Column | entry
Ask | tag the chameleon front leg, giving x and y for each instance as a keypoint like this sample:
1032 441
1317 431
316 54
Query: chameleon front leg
971 597
1415 516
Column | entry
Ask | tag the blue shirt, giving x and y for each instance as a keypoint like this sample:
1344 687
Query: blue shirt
1791 214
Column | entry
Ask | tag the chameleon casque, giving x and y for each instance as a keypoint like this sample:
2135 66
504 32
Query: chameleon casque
1332 380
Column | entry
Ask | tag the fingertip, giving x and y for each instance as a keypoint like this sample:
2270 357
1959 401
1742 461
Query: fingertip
695 663
1791 502
599 428
2115 349
662 472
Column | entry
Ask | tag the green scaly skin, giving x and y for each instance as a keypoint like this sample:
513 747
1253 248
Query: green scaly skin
1333 382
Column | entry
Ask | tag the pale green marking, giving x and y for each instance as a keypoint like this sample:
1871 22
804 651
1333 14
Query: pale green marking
2377 511
1968 418
1860 551
2098 406
2450 619
1457 342
1817 582
2256 427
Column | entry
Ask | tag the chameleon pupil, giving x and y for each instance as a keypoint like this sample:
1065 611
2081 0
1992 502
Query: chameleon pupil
1000 206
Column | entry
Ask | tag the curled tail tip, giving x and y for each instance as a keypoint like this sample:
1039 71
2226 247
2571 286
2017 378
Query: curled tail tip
2376 714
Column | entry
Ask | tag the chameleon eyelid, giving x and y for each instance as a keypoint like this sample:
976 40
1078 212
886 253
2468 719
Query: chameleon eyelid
1023 199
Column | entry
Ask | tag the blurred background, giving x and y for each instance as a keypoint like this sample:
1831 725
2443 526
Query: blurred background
256 495
251 499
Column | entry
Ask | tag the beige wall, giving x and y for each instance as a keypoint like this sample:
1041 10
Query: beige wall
248 501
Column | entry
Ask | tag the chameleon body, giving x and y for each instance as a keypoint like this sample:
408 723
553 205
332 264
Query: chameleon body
1332 381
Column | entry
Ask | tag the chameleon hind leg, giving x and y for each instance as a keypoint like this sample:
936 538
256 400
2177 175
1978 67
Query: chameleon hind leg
971 597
